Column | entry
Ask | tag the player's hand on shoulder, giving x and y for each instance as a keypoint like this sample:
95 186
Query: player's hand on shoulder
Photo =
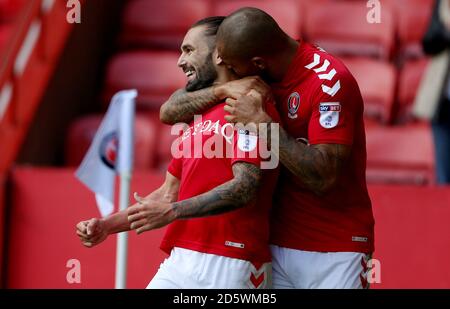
242 87
91 232
247 109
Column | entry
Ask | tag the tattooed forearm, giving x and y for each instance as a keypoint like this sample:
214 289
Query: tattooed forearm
183 105
231 195
317 166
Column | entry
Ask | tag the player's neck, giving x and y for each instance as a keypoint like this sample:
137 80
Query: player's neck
284 59
224 75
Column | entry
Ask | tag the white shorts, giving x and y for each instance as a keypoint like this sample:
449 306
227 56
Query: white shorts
297 269
187 269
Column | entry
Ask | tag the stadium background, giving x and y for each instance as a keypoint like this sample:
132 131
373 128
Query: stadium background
56 80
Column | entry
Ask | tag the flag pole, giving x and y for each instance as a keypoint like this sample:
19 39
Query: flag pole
125 164
99 167
122 238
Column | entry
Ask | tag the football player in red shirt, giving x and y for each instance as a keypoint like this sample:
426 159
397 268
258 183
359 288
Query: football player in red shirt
322 231
224 200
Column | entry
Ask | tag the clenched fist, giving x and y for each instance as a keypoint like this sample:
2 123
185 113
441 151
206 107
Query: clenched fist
92 232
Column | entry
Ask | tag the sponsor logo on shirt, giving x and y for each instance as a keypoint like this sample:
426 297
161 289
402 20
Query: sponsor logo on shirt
329 114
330 108
209 127
293 105
213 139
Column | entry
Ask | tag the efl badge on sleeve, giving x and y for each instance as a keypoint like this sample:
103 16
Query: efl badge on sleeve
293 105
329 114
247 141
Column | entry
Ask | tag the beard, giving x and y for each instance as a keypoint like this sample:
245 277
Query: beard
205 76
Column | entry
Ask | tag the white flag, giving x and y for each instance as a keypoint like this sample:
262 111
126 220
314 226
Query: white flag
111 151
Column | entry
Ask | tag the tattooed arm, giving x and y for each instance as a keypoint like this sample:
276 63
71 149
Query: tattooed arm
317 166
183 105
94 231
234 194
231 195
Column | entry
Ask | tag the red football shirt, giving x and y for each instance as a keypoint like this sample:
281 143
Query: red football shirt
242 233
319 100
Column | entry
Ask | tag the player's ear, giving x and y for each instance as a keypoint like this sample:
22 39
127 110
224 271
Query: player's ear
216 58
259 62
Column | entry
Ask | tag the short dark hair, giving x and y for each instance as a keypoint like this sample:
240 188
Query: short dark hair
250 32
212 23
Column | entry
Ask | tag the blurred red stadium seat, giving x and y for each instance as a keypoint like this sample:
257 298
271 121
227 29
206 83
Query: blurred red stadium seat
287 13
413 17
5 31
409 82
400 154
160 24
82 132
154 74
9 9
341 28
377 82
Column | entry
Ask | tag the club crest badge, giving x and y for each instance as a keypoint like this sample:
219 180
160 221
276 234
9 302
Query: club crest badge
293 105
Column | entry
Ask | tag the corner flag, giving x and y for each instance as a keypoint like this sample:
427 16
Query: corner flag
111 151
